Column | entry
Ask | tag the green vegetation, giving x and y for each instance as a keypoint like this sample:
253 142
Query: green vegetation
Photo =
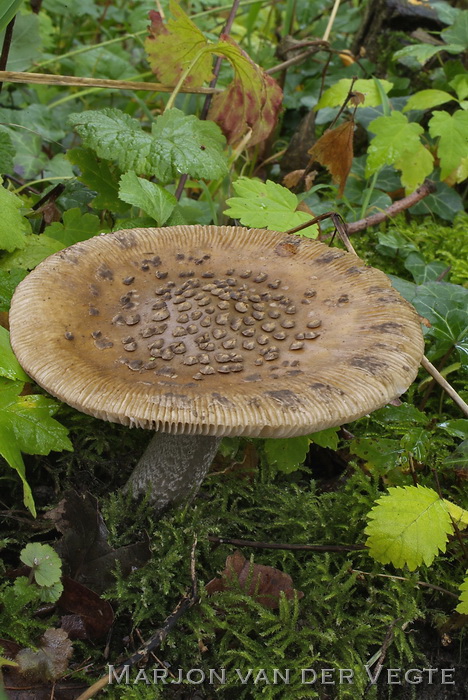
383 500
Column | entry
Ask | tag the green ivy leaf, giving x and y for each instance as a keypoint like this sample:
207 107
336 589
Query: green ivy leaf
287 454
337 93
76 227
267 204
416 441
13 225
99 176
462 606
456 428
382 454
408 526
427 99
177 143
9 365
397 143
453 145
35 250
8 283
149 196
7 151
44 561
423 272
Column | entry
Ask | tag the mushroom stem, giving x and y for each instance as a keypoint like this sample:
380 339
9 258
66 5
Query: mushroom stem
172 468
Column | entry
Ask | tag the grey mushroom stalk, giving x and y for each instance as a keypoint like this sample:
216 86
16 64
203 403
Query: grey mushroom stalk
200 332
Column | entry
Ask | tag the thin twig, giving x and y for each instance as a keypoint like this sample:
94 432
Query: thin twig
448 388
383 653
402 578
293 547
6 46
49 79
186 602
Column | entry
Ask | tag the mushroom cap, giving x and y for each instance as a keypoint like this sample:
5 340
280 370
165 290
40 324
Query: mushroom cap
215 330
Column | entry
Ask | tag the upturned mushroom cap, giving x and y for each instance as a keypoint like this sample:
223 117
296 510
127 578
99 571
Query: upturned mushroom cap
216 331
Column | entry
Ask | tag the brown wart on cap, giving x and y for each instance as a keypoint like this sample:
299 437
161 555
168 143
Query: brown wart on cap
205 331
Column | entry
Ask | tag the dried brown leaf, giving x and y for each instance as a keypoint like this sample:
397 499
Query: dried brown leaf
262 583
50 661
334 150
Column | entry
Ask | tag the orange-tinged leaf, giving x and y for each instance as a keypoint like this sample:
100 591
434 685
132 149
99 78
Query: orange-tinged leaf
171 47
252 100
334 150
263 583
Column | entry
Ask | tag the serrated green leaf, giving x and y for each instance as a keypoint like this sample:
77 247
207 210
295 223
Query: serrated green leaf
7 151
173 46
409 525
13 226
397 143
462 606
36 249
44 561
99 176
399 415
149 196
427 99
421 52
460 85
8 283
457 33
452 129
9 365
287 454
337 93
76 227
177 144
456 428
382 454
326 438
267 204
459 515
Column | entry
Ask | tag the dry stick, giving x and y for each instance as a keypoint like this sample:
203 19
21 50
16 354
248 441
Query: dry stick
384 648
448 388
400 205
402 578
6 46
49 79
186 602
294 547
331 20
217 67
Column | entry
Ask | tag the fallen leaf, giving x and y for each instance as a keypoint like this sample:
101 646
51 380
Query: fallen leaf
84 547
90 613
262 583
334 150
50 661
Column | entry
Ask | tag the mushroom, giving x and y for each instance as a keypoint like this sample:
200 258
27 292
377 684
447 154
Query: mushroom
200 332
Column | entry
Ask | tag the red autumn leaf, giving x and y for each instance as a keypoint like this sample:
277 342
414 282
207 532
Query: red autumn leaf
262 583
171 47
334 150
251 102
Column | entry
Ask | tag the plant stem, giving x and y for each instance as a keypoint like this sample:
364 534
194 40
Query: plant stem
172 468
185 73
6 46
294 547
369 191
448 388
